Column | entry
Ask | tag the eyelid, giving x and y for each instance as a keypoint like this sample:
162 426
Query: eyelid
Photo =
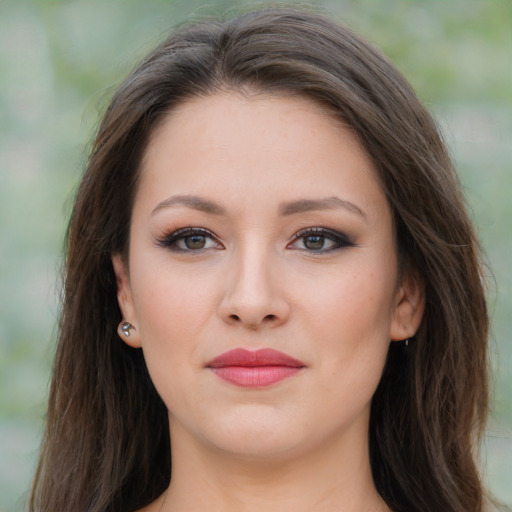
341 239
168 240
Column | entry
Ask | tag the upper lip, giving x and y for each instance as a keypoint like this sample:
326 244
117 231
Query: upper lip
253 358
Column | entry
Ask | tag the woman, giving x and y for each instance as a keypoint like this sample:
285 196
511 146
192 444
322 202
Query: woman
273 282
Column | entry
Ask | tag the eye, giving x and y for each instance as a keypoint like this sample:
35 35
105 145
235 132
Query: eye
320 240
189 240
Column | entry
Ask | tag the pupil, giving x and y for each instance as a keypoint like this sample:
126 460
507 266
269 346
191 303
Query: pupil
195 242
314 242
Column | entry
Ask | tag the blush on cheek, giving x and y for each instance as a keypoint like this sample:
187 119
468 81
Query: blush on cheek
173 316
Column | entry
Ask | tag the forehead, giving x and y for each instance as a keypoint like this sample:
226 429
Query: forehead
254 145
232 109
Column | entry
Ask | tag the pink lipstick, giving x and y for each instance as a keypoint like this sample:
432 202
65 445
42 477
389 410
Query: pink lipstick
254 369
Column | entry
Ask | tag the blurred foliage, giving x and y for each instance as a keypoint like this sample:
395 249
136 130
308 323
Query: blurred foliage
61 60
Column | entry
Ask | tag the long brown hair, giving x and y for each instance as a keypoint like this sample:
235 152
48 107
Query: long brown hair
106 446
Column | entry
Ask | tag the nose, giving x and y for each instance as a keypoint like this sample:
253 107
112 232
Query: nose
254 294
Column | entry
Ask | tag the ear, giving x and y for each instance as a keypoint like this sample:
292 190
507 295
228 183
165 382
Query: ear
125 301
408 308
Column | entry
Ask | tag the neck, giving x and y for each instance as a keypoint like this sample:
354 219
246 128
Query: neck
334 477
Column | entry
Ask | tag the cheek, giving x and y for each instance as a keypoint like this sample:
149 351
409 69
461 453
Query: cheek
174 312
355 326
354 300
170 302
352 320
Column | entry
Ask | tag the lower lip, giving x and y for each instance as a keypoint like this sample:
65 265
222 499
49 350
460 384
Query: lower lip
255 376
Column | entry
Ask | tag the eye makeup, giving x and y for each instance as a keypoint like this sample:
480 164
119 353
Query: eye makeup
189 239
320 240
317 240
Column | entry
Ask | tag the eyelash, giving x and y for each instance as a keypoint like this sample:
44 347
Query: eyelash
171 240
340 240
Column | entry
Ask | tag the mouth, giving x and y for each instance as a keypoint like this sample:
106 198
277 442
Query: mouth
254 369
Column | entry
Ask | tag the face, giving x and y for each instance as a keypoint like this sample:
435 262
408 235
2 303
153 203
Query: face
262 275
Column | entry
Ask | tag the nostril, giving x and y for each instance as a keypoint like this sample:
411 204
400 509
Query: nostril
267 318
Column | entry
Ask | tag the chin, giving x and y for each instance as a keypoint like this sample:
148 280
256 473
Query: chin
256 436
259 447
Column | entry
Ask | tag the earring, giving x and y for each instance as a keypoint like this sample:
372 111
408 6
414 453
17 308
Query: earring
408 345
125 328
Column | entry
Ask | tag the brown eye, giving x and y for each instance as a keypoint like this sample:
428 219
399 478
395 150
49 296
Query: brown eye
314 242
320 240
189 240
195 242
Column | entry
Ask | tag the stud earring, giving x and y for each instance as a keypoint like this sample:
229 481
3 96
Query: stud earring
125 329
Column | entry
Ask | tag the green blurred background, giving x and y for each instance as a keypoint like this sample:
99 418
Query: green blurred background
60 62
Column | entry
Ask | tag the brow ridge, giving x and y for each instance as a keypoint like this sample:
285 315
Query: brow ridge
191 201
285 209
328 203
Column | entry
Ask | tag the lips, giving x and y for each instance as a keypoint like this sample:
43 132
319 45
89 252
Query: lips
258 368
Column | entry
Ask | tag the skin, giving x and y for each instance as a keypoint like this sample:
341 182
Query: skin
261 281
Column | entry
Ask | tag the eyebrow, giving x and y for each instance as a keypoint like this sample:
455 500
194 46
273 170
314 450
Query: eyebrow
195 202
328 203
285 209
